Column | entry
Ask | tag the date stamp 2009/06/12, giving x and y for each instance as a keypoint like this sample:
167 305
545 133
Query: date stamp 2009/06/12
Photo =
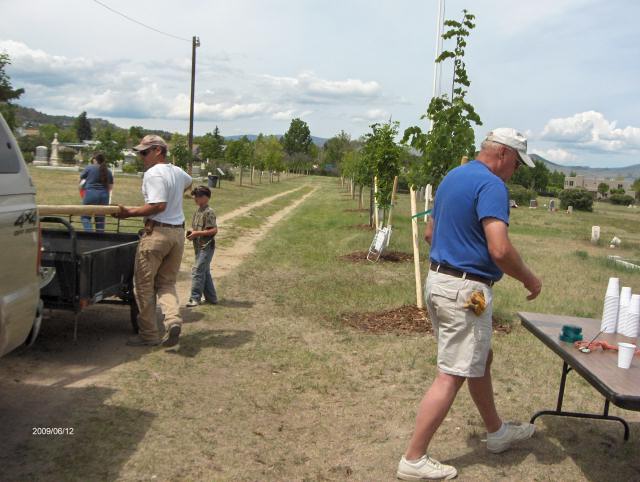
52 431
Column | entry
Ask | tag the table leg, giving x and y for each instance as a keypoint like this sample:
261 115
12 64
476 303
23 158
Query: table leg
558 412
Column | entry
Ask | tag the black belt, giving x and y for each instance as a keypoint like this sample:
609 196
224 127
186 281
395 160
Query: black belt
165 225
443 268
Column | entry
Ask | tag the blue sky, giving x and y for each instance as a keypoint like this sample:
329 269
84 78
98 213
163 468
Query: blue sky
563 71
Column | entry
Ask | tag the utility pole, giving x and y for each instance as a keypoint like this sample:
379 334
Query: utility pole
195 43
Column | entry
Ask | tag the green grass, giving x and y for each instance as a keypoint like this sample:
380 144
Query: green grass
271 385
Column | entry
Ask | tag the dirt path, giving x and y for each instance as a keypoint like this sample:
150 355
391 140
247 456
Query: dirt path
227 259
248 207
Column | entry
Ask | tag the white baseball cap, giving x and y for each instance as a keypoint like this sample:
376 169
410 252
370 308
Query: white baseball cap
513 139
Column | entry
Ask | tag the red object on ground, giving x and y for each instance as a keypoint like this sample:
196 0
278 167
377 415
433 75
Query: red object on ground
82 193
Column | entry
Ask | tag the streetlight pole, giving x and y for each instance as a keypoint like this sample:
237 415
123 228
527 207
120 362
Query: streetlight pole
195 43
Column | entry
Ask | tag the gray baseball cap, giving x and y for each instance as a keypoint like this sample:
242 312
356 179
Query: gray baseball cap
512 138
150 141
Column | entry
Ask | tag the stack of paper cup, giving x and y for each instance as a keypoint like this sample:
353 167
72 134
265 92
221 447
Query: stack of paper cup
630 326
611 304
625 298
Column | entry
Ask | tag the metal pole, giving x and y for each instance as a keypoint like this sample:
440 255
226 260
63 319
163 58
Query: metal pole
195 43
437 69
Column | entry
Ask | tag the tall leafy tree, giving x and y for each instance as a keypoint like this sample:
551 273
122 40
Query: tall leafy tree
7 92
297 140
212 145
336 147
451 135
83 128
111 144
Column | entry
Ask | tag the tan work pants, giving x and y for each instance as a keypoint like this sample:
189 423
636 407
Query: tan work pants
157 264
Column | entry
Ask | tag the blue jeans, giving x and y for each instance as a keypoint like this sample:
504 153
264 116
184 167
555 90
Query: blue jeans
94 196
201 280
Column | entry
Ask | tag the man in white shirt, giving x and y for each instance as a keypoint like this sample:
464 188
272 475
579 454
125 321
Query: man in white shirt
161 246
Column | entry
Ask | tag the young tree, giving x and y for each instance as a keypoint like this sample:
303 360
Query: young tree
180 150
382 154
7 93
269 153
451 135
636 187
239 153
83 128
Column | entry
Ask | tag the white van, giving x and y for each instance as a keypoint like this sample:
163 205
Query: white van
20 277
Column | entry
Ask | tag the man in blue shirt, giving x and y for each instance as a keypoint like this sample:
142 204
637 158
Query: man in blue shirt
470 251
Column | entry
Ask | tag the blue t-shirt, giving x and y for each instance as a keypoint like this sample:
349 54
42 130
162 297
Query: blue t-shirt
92 174
466 196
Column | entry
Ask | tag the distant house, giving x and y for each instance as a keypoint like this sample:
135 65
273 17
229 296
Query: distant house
591 184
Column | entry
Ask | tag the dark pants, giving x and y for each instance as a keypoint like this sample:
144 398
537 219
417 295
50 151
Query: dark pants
94 196
201 280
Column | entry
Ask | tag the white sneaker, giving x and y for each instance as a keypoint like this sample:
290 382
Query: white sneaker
425 468
513 433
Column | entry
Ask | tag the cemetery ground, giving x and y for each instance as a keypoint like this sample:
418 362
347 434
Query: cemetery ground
271 384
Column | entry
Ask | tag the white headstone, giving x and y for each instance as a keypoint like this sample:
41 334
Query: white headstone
41 158
595 234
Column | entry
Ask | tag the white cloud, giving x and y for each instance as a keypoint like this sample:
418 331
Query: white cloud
556 155
380 115
307 87
592 131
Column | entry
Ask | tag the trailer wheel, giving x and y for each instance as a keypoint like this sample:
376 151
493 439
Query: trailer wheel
134 315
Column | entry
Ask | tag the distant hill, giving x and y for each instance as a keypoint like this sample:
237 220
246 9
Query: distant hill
318 141
631 172
36 118
32 117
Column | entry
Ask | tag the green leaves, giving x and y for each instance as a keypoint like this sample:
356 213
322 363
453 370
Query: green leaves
382 155
451 135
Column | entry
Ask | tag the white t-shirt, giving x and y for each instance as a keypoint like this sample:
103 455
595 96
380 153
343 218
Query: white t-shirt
165 183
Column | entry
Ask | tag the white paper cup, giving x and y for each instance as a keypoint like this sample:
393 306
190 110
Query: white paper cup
610 314
613 288
626 351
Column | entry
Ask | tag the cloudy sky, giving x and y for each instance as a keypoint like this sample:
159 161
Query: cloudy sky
563 71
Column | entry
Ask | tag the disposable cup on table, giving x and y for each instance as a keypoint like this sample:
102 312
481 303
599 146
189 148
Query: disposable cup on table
610 314
613 288
626 351
631 325
625 298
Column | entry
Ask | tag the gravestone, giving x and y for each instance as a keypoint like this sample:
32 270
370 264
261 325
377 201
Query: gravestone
570 210
552 205
55 156
595 234
533 204
41 158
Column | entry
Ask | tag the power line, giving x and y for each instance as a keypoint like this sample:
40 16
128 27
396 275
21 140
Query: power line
140 23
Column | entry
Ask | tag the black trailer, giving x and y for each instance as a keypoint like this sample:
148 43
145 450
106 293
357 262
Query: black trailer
90 268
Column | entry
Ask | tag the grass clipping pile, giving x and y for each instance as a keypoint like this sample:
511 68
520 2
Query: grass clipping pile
405 320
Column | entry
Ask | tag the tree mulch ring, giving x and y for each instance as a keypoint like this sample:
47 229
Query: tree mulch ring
388 256
407 319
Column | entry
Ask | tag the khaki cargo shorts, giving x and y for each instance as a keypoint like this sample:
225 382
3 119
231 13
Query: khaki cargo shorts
464 339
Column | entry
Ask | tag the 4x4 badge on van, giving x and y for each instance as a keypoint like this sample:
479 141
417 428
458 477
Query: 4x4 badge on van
27 217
